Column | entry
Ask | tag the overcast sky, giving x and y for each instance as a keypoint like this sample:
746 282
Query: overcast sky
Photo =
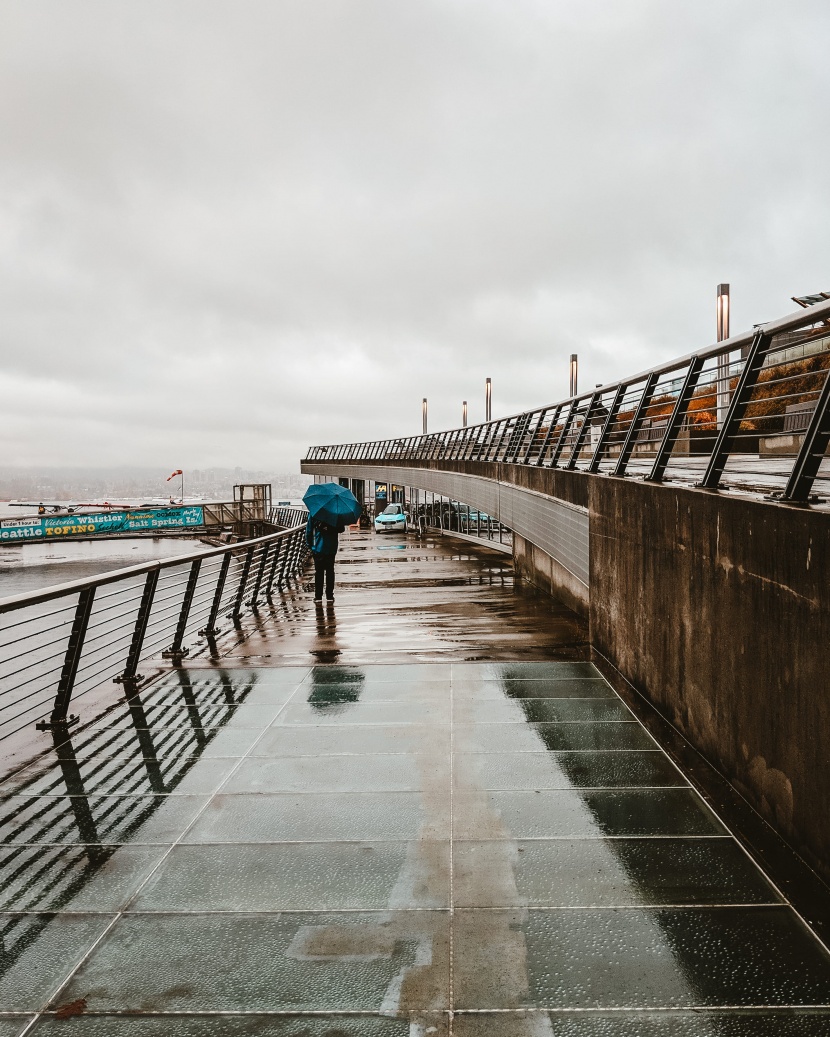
231 230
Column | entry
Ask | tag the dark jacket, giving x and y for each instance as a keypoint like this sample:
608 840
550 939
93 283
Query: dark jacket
322 539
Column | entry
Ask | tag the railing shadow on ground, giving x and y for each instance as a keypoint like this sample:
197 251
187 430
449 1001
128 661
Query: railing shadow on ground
64 817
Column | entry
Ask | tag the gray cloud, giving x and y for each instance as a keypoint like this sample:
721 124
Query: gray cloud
229 231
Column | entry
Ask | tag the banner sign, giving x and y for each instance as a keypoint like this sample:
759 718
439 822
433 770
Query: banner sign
49 527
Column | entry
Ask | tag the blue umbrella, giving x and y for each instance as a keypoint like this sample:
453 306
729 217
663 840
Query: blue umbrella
333 504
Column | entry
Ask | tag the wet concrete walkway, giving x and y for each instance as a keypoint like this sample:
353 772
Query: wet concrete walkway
419 811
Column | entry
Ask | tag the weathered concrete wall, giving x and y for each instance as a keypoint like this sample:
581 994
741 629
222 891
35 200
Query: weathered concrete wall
717 609
537 567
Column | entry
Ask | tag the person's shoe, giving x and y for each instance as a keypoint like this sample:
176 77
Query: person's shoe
318 601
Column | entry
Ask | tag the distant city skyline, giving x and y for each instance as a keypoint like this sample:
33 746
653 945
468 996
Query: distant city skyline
102 483
229 232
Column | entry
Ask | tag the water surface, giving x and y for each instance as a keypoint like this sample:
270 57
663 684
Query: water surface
29 567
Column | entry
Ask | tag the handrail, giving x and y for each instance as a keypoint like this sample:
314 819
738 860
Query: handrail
59 590
719 406
50 654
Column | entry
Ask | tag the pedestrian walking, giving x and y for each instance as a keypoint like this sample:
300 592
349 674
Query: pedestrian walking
331 508
322 540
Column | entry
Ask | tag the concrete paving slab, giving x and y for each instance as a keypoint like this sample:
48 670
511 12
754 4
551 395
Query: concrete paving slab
420 811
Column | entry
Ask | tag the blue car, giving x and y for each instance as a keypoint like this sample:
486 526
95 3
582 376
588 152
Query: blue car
391 519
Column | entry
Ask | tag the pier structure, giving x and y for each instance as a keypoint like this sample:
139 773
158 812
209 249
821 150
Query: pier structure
250 513
550 764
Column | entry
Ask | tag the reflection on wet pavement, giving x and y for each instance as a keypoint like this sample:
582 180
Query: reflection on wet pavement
458 846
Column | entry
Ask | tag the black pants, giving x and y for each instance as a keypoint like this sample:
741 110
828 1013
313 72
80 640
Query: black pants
323 567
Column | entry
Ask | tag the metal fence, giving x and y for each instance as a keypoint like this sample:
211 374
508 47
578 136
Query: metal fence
60 643
752 413
452 516
286 516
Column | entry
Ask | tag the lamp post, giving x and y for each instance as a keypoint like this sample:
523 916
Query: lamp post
488 400
424 414
723 359
464 413
573 371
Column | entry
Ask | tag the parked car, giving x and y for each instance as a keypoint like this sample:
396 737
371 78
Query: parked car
391 519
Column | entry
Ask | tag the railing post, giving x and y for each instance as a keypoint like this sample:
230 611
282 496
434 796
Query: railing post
296 546
469 444
521 447
482 454
596 460
737 409
286 557
812 450
75 645
243 579
211 630
277 550
549 435
490 453
580 439
266 550
511 452
678 415
502 438
508 440
285 568
176 651
294 561
130 675
563 435
636 425
531 439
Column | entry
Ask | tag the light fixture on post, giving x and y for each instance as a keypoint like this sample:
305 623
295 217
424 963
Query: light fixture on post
424 414
723 359
488 400
573 371
464 413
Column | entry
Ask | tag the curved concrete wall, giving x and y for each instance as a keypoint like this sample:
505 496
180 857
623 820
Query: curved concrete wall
557 528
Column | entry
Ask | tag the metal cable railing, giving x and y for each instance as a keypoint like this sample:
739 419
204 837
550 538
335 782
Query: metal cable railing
455 517
286 516
752 413
60 643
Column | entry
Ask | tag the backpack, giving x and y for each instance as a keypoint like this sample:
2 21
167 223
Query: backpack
324 539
